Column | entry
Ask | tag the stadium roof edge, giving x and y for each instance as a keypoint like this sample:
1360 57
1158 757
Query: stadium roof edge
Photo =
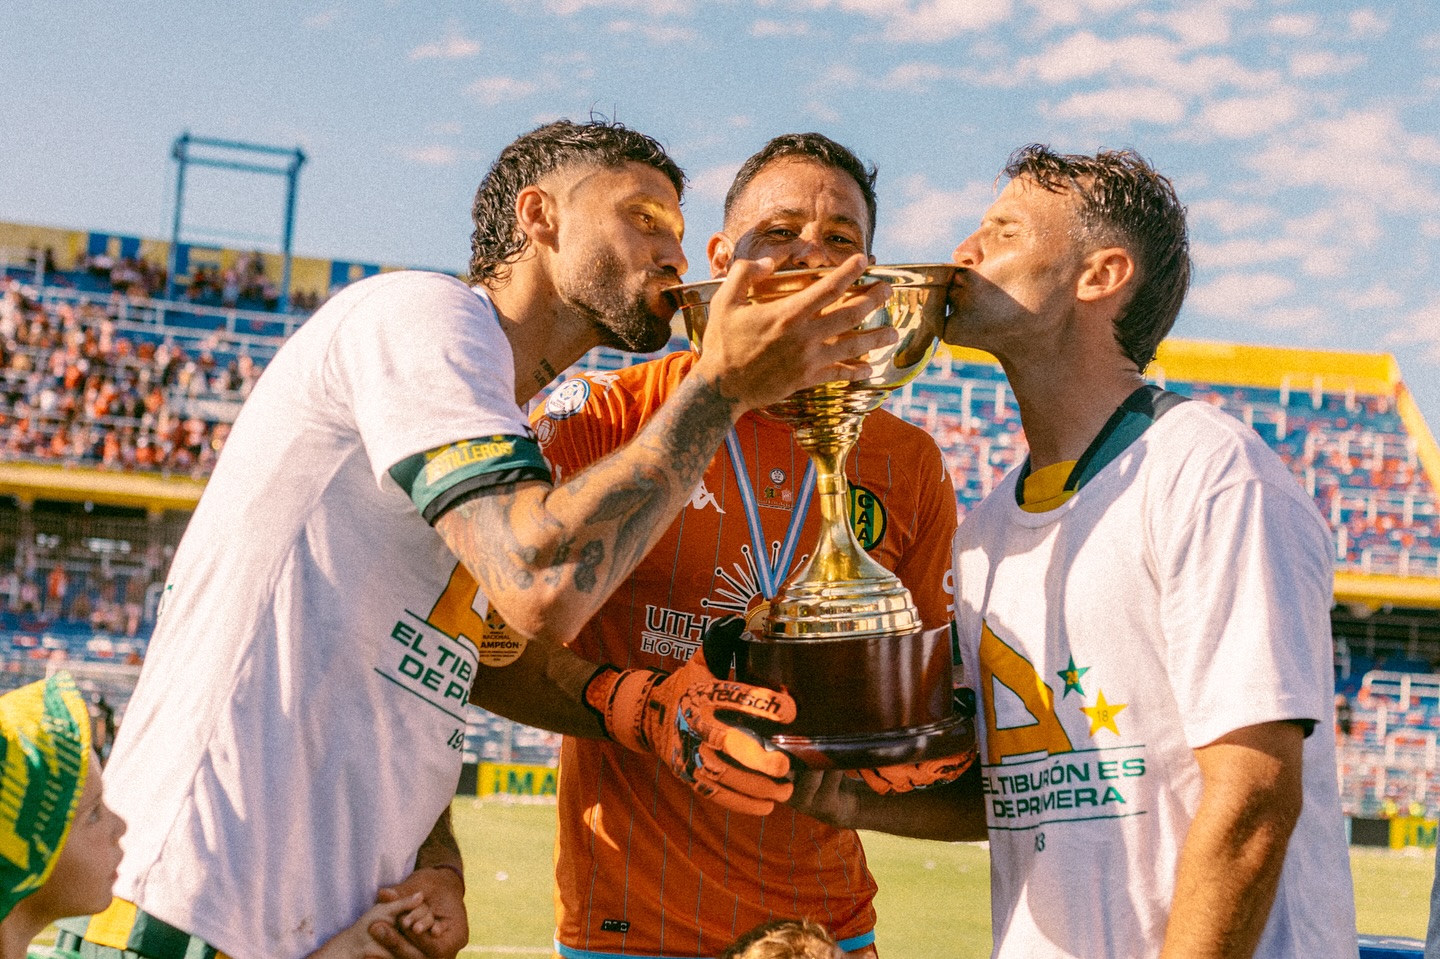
32 481
1374 590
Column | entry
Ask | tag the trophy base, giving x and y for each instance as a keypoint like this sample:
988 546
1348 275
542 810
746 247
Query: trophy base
861 700
949 737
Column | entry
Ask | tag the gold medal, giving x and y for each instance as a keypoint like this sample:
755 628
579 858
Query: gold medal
498 644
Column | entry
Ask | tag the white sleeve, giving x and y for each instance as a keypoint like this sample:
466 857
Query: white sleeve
1246 594
422 362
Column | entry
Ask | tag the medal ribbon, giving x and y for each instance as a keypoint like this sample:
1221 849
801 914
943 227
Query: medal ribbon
770 576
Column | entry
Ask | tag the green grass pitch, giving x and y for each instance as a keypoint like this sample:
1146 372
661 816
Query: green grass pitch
934 898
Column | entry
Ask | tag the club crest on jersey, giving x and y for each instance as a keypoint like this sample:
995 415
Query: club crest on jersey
568 399
867 516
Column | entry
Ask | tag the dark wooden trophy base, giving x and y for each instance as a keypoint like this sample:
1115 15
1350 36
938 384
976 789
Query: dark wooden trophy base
861 701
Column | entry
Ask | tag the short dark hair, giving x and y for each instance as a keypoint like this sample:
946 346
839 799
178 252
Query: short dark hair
603 143
1123 201
818 148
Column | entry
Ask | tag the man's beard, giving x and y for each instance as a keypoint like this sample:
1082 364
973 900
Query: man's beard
622 317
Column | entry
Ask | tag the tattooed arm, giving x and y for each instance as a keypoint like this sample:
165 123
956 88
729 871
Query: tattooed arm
547 557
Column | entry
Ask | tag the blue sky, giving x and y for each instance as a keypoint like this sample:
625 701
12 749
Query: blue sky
1304 135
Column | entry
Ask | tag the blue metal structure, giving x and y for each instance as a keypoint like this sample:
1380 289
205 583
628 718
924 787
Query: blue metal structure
181 151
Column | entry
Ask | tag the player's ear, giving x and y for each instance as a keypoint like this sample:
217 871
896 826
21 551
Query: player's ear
720 252
1106 272
537 216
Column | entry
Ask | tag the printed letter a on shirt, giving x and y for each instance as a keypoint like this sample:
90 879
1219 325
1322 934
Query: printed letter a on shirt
1000 664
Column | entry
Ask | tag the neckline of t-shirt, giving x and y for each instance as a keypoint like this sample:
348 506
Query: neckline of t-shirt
1094 479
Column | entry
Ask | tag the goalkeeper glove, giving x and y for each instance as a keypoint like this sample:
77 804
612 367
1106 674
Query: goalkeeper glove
677 716
905 777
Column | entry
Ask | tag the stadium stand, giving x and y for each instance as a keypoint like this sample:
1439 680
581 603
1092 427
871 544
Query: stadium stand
114 406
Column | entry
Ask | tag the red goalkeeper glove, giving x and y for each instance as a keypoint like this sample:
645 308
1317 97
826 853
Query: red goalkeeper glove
905 777
677 716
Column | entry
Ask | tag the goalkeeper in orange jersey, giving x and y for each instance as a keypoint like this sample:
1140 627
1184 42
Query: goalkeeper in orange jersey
643 866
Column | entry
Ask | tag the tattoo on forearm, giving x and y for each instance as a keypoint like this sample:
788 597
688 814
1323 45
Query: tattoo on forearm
509 540
592 555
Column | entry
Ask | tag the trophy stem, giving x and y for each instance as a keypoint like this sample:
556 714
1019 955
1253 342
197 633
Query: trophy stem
838 556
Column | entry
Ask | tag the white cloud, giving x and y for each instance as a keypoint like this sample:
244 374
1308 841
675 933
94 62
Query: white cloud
1229 216
455 46
1367 24
1245 252
1257 299
1200 26
779 28
657 33
822 111
1150 57
711 183
435 154
834 79
1320 63
925 21
1378 296
1084 55
1239 295
567 8
1316 322
932 221
1068 13
1366 154
1294 25
492 91
1420 327
915 77
1242 117
1120 107
323 19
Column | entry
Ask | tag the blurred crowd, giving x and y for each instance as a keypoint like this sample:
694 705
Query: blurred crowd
245 285
76 389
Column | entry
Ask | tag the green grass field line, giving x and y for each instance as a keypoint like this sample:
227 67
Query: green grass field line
934 898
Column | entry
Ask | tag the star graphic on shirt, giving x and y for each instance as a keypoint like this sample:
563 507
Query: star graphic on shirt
1102 714
1070 676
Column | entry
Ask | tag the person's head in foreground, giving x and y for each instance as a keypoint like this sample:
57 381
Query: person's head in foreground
59 842
592 209
1073 232
784 939
803 200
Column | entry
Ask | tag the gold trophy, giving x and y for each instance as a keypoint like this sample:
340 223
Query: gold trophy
842 636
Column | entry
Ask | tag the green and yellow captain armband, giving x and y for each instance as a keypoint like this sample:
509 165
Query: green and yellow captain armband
440 479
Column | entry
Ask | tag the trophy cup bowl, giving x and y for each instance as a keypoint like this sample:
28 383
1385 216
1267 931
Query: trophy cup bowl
842 637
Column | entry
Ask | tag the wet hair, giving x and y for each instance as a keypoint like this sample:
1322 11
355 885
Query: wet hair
817 148
498 239
784 939
1124 202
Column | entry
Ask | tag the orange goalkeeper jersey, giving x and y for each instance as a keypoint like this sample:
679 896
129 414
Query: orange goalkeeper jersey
644 866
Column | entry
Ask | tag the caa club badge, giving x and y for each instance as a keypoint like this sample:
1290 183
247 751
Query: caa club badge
567 399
